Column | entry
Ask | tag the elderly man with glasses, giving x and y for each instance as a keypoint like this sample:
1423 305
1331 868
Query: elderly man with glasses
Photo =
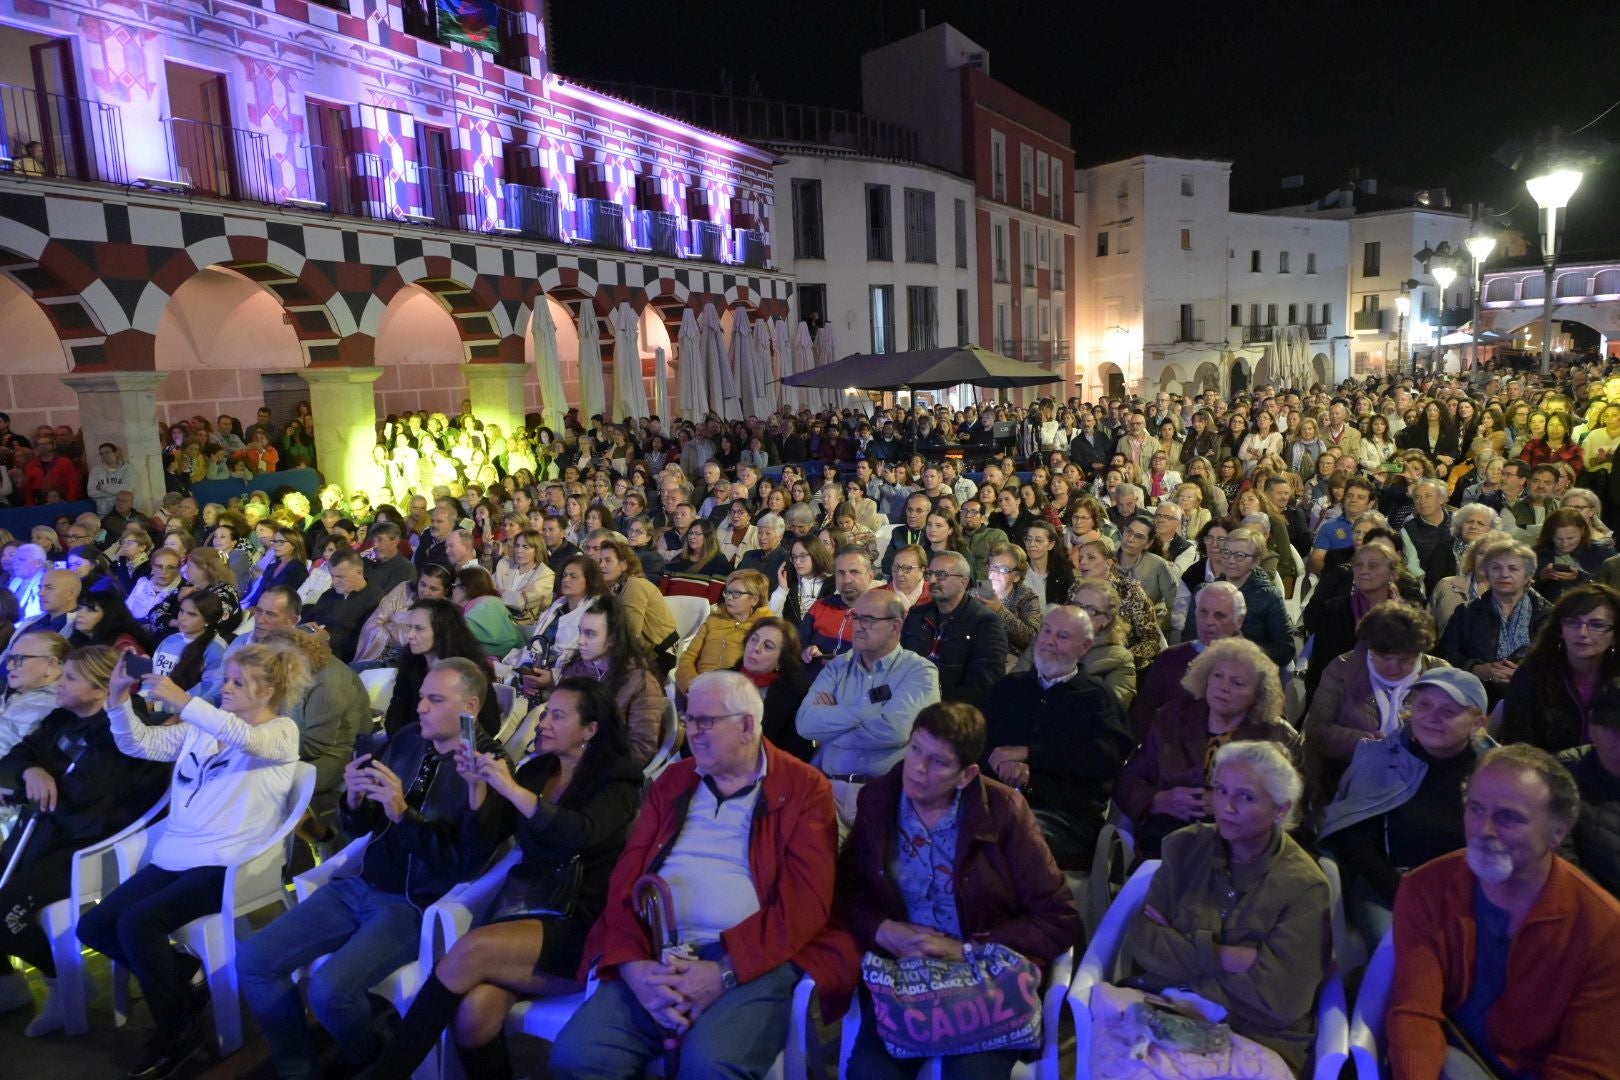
1266 621
744 838
957 632
861 705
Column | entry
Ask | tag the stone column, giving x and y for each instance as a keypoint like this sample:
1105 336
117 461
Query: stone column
345 408
120 407
496 391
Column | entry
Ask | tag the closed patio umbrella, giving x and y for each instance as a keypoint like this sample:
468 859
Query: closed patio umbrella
804 358
826 353
722 379
592 394
548 365
694 383
661 383
767 389
782 341
629 392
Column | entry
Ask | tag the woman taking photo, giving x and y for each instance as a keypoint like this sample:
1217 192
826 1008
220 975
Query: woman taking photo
1049 572
435 630
486 614
572 799
557 632
771 661
524 580
1549 698
608 654
1236 695
1245 885
701 556
84 791
1566 555
251 747
719 640
806 577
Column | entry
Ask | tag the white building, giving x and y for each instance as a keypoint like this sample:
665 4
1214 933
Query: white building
1386 233
1177 289
881 249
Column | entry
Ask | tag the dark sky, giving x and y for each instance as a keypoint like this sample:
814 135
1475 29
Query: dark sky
1419 95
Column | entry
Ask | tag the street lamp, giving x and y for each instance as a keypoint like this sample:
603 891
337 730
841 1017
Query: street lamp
1552 191
1403 308
1444 275
1480 246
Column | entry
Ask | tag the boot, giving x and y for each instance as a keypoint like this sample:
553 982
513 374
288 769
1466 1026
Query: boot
419 1029
487 1062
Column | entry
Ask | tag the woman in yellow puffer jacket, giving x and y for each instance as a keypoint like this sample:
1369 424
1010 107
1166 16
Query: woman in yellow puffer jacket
719 641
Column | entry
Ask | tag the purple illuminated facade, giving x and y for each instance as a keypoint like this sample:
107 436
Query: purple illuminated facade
226 191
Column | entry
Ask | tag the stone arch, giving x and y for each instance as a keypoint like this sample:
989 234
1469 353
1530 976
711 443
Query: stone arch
1499 290
80 310
1572 284
1262 370
1322 367
1242 375
1207 377
484 320
1170 376
1606 283
1110 380
1532 288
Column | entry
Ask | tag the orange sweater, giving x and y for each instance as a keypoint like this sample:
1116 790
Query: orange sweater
1559 1015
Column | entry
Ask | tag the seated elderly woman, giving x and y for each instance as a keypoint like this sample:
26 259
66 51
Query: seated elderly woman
1138 628
718 642
1400 802
1019 607
1363 694
1491 635
934 822
1237 696
1238 913
1375 568
1451 593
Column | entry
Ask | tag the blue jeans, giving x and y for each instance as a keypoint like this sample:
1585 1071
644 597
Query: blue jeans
132 927
612 1037
368 934
870 1059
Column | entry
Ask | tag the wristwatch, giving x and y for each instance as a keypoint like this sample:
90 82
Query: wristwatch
728 974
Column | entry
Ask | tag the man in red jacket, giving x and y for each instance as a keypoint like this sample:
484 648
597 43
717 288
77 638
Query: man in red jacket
48 470
746 837
1505 953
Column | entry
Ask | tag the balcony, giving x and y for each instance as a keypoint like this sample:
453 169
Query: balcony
708 241
659 232
1318 331
1035 352
1364 321
1189 330
1001 270
438 189
1029 275
1058 277
219 160
534 212
600 223
751 248
78 139
1256 333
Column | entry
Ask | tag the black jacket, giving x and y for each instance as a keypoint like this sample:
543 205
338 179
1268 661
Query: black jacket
408 693
388 574
1471 635
103 793
343 616
782 702
429 550
1091 452
1055 724
439 841
1594 843
972 647
1540 710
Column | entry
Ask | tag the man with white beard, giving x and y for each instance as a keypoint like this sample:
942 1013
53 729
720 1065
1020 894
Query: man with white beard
1508 903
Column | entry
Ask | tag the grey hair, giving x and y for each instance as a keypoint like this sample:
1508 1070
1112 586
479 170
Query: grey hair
1277 774
1258 522
474 683
958 562
1429 481
771 521
605 534
1172 507
1460 518
736 693
1240 606
1136 489
1373 516
799 514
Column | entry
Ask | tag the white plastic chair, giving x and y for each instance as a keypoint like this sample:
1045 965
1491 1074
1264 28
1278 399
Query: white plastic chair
1105 962
689 612
1367 1025
379 684
668 746
249 885
93 875
506 699
883 535
1056 990
516 742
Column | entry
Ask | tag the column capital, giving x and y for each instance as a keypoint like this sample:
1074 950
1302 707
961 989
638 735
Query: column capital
351 375
91 382
493 369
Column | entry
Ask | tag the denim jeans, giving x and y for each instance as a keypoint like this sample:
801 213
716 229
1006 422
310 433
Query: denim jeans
368 934
870 1059
612 1037
132 927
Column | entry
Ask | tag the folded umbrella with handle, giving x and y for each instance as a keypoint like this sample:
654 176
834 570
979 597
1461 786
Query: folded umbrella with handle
656 905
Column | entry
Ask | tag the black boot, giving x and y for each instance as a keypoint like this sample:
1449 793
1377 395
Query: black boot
487 1062
419 1029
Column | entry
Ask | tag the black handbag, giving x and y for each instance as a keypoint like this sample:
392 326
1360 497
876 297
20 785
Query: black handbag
538 891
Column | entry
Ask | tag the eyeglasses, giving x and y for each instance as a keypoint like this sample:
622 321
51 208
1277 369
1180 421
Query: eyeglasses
1597 626
902 568
735 594
16 659
702 725
941 575
1002 571
865 622
1240 556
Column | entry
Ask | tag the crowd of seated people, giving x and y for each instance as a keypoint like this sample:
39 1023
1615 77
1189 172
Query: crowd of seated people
1373 624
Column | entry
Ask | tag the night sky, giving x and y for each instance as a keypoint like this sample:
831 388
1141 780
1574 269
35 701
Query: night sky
1418 95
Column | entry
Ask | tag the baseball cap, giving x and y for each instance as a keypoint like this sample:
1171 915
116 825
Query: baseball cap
1606 705
1461 686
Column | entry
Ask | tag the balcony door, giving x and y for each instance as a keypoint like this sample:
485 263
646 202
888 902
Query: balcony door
330 175
61 127
200 133
434 159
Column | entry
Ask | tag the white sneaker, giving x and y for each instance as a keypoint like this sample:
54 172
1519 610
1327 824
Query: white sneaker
49 1020
14 991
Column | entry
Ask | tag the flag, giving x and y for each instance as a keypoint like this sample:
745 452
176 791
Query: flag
470 22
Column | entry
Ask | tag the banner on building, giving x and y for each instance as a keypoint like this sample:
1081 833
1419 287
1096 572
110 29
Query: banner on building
475 23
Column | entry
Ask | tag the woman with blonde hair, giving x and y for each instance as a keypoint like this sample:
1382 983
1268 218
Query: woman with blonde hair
1139 627
719 640
1235 695
524 580
645 610
1107 661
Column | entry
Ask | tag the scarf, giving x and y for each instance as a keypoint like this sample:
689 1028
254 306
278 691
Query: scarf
1514 635
1390 696
1360 604
762 682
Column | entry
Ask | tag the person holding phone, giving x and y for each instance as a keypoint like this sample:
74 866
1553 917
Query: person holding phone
571 801
234 768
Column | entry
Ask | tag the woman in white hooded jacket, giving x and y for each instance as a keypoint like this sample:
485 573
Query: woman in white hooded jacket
234 767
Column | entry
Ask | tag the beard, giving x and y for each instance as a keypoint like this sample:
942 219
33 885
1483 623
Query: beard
1489 861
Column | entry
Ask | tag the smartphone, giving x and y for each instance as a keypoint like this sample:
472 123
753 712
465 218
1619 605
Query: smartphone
371 743
469 731
136 665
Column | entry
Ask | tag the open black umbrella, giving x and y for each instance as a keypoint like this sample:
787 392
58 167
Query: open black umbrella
925 369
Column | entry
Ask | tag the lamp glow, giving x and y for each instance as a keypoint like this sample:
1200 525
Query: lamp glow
1480 247
1444 275
1403 305
1553 190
